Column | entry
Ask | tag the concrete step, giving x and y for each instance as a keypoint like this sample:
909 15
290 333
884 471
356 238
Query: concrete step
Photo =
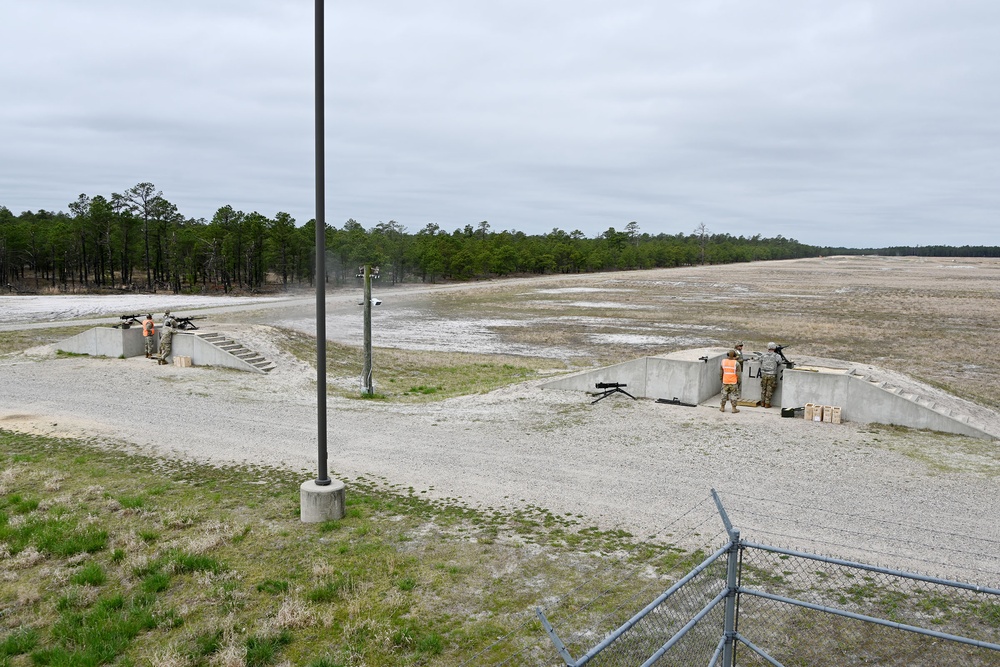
246 355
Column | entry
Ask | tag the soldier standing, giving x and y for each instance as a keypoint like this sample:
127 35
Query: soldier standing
740 358
729 373
769 362
148 332
166 339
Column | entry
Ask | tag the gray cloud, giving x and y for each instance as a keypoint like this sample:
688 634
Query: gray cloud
854 123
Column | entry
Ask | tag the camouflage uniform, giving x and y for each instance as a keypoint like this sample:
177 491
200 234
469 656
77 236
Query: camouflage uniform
740 358
166 341
769 362
730 392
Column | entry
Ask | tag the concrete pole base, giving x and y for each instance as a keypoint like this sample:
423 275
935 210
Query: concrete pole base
321 503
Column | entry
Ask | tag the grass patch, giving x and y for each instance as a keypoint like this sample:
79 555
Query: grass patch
19 642
263 650
91 574
66 354
417 377
19 341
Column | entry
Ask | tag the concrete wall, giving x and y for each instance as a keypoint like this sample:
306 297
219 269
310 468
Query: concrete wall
750 381
108 342
632 373
825 388
117 343
691 376
867 402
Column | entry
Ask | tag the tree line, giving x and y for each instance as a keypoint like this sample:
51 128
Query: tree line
139 240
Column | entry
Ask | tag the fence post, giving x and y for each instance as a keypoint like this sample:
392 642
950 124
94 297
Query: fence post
732 583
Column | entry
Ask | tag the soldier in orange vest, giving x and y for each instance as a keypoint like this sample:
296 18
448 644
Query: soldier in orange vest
729 373
148 333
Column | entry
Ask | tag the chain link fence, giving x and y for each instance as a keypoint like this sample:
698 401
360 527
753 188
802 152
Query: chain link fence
806 609
751 604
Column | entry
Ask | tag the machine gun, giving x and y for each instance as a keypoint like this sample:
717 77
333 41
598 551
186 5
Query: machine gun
185 323
778 350
675 401
611 388
127 321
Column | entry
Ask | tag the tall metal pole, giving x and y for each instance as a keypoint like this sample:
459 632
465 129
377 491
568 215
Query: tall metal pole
732 583
322 478
368 387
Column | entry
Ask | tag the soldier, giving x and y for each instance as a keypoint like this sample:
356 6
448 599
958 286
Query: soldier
740 358
148 332
769 362
729 373
166 339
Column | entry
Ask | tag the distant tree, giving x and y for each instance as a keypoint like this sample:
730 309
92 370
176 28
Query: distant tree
281 244
142 199
701 231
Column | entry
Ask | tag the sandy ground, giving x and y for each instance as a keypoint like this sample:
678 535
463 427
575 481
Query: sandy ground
915 501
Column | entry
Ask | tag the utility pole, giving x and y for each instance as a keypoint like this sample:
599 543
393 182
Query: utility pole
321 499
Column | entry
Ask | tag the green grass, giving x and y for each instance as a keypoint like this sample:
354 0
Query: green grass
138 561
91 574
418 377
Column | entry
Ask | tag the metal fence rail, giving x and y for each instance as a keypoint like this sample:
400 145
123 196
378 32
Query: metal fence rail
754 604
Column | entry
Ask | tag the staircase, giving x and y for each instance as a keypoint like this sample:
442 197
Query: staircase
255 360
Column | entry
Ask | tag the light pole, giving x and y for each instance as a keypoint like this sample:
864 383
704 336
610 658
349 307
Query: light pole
321 499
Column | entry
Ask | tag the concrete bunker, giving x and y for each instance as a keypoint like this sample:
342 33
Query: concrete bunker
204 348
692 376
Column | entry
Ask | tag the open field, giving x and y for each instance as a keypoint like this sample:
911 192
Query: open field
914 500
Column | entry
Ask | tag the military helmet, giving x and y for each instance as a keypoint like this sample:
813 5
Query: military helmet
772 346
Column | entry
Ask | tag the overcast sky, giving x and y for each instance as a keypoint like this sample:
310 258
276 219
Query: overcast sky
835 123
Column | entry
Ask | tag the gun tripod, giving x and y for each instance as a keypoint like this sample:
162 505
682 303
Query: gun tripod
611 388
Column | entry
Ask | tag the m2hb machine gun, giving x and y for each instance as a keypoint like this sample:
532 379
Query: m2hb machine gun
127 321
185 323
778 350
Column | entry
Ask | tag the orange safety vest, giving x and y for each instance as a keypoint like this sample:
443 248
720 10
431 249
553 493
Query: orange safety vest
147 328
729 375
